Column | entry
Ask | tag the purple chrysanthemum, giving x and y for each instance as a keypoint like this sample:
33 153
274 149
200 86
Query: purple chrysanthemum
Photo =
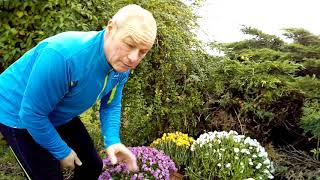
152 164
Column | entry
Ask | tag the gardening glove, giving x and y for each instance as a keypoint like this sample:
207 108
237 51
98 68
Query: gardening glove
70 161
119 152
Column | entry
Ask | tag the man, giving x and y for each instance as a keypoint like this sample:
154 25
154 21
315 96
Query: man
43 93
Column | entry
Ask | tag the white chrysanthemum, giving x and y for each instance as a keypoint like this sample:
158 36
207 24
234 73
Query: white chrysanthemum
266 162
232 132
258 166
245 151
266 171
263 154
237 139
236 150
270 176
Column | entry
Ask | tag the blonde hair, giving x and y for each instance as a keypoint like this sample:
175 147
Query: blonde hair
138 22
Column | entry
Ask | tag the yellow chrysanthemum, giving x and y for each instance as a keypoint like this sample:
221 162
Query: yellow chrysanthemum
179 138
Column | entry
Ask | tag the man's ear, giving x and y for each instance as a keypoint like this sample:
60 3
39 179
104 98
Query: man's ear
111 27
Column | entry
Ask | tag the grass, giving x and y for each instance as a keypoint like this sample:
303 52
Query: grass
9 167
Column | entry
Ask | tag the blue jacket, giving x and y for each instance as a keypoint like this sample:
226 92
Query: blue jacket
55 81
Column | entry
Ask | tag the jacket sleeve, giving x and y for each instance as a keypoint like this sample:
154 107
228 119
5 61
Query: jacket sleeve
110 115
46 86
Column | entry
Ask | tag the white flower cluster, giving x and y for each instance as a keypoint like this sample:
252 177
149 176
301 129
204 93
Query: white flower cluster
248 150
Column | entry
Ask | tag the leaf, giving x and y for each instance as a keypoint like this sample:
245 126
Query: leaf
6 26
19 14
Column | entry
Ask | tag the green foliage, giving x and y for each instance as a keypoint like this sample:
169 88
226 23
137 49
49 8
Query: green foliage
91 120
251 87
315 153
302 36
310 121
260 55
25 23
258 41
163 93
266 79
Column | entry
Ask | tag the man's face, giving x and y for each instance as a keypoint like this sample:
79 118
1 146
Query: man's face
125 50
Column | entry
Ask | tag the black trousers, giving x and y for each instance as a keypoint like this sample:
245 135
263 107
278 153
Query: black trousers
39 164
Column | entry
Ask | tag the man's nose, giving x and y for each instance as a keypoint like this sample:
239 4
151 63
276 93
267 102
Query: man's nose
134 55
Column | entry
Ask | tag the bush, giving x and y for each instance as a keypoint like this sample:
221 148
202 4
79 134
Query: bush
310 120
25 23
265 84
163 93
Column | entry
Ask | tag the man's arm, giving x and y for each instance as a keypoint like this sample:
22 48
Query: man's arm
110 111
110 115
47 85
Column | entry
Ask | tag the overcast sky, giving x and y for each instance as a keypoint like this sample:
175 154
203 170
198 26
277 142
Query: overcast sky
222 19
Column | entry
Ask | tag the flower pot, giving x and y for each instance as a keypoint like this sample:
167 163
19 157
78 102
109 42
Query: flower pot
176 176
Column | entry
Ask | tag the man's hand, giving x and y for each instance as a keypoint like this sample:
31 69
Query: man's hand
70 161
118 152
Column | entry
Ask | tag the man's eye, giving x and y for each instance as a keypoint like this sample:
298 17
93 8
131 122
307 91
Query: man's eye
142 53
130 45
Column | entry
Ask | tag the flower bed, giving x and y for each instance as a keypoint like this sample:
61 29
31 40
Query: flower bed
214 155
177 146
227 155
153 164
